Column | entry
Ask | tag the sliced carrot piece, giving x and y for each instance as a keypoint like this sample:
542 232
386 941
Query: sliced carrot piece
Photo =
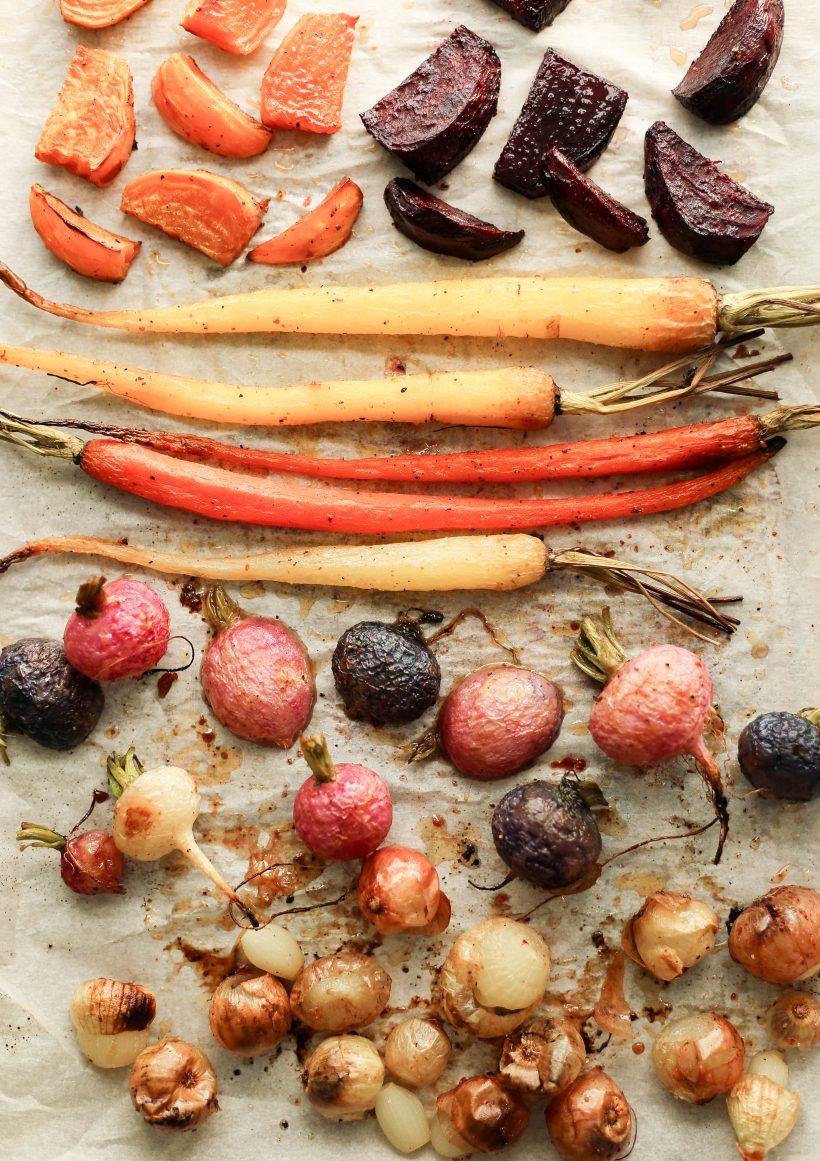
237 26
213 214
98 13
318 233
90 131
85 247
305 81
195 108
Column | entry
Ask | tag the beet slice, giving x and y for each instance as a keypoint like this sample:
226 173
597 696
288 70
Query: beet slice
734 67
435 225
567 109
699 210
590 210
534 14
437 114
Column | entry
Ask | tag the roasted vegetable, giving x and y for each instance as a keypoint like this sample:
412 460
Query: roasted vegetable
546 833
567 108
44 697
98 13
237 26
85 247
734 67
303 86
435 116
780 754
90 131
435 225
385 673
586 207
209 212
195 108
320 232
534 14
699 210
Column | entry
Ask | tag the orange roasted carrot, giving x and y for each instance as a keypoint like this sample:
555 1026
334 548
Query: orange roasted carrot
318 233
195 108
85 247
90 131
237 26
209 212
98 13
304 84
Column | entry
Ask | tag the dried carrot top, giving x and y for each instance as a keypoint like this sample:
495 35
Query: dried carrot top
90 131
304 84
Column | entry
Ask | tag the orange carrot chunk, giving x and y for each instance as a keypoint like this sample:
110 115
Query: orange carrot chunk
90 131
98 13
209 212
195 108
318 233
237 26
85 247
304 84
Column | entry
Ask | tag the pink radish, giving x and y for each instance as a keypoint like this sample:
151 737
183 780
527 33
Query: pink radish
341 812
652 708
120 629
256 674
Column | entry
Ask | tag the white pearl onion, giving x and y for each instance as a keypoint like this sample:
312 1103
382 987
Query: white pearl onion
402 1118
441 1142
274 950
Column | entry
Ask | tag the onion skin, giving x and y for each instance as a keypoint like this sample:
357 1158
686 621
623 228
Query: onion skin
398 890
498 720
777 938
125 634
484 1113
669 934
92 864
257 679
542 1058
590 1119
321 996
173 1085
249 1014
699 1057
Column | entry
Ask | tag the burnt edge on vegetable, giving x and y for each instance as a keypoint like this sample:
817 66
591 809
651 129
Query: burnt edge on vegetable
44 697
590 210
566 108
780 753
533 14
699 210
439 112
437 226
384 673
734 67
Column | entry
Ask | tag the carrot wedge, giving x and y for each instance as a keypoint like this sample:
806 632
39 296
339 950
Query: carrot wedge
85 247
98 13
304 84
209 212
237 26
195 108
90 131
318 233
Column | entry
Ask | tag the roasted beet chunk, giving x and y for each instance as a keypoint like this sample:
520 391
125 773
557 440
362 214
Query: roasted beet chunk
567 109
534 14
440 227
699 210
734 67
585 206
435 117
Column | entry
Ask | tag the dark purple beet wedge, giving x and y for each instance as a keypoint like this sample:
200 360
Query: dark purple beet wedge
437 115
590 210
435 225
567 109
534 14
734 67
699 210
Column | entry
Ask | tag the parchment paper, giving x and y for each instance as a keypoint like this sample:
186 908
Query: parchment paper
760 540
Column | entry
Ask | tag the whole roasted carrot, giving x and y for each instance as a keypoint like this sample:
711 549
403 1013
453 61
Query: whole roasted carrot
224 495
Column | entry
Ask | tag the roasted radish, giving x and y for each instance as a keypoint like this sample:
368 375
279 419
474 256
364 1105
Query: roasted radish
320 232
195 108
699 210
341 812
591 211
90 131
209 212
117 630
436 115
303 86
435 225
236 26
85 247
734 67
98 13
567 108
534 14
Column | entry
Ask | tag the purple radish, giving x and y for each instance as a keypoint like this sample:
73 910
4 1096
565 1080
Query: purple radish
256 674
652 708
120 629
